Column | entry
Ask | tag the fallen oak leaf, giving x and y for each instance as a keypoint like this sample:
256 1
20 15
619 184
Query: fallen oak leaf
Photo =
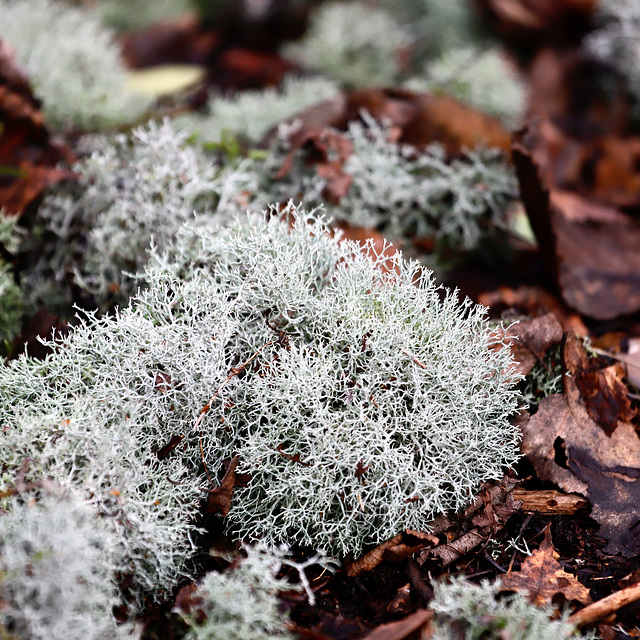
533 301
591 248
542 577
416 118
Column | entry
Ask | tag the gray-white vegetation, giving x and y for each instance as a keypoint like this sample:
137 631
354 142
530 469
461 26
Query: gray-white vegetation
373 401
72 61
57 575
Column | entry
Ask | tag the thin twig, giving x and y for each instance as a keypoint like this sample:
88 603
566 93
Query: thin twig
420 364
602 608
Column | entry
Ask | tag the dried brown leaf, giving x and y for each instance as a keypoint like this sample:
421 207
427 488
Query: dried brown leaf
568 448
219 500
531 338
542 577
28 156
603 391
402 628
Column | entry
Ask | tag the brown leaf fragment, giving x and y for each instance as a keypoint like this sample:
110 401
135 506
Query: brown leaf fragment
415 118
568 448
537 21
402 629
161 454
361 469
372 242
591 247
533 301
398 548
424 118
401 603
219 500
189 603
604 393
338 182
606 396
531 338
542 577
486 515
293 458
327 150
452 551
163 382
373 558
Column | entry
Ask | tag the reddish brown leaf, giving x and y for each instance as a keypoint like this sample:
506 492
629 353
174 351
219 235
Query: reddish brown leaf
533 301
162 453
163 382
190 603
487 514
415 118
542 577
423 118
243 68
219 500
604 393
372 241
527 21
398 548
361 469
294 458
180 40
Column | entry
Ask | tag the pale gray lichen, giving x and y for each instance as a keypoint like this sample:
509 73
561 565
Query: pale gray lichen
385 407
616 41
352 43
11 298
134 191
72 62
128 15
373 400
57 579
483 79
467 611
437 27
95 413
241 603
401 191
251 114
11 305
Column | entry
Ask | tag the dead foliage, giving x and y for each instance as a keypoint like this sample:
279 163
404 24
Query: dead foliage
28 153
543 578
567 447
